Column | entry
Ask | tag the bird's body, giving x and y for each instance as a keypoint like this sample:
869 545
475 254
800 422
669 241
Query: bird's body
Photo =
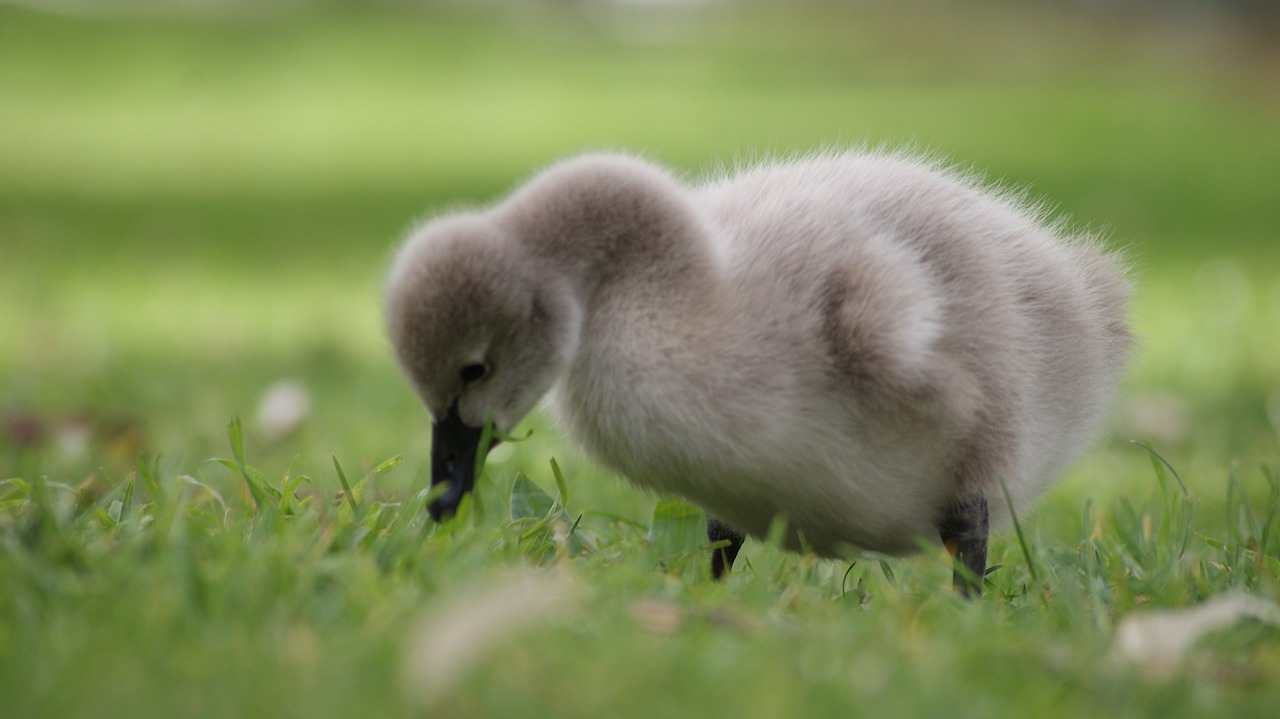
858 343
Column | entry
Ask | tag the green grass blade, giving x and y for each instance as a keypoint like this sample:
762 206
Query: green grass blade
235 433
349 496
1157 457
1017 529
126 502
561 485
528 500
289 488
257 485
149 474
677 528
388 464
1273 504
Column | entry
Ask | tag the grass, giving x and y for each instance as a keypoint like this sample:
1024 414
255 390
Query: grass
171 594
192 209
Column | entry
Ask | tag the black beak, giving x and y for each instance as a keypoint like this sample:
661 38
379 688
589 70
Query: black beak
454 448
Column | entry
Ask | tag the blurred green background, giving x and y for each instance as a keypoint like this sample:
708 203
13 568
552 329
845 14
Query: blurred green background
199 199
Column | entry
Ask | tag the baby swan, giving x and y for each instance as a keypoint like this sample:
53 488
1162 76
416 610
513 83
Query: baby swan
862 344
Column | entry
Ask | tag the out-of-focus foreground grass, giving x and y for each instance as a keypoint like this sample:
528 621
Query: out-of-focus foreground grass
194 207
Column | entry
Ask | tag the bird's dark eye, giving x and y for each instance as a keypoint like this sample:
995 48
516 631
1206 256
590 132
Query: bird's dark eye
473 372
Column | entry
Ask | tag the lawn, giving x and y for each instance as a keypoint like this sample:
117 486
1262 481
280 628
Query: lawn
194 208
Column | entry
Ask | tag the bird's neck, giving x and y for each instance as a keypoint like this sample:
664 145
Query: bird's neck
641 260
615 226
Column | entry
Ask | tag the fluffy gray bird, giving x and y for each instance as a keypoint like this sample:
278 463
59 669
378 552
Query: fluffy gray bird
865 345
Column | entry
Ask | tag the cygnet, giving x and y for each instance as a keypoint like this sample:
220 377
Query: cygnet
862 345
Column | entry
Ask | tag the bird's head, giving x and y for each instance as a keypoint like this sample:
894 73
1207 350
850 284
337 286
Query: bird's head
482 329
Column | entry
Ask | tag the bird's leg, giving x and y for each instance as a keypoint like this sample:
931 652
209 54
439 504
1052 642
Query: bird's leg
964 533
722 557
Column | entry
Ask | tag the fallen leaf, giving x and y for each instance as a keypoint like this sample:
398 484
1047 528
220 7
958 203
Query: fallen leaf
657 616
1160 640
455 636
283 408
